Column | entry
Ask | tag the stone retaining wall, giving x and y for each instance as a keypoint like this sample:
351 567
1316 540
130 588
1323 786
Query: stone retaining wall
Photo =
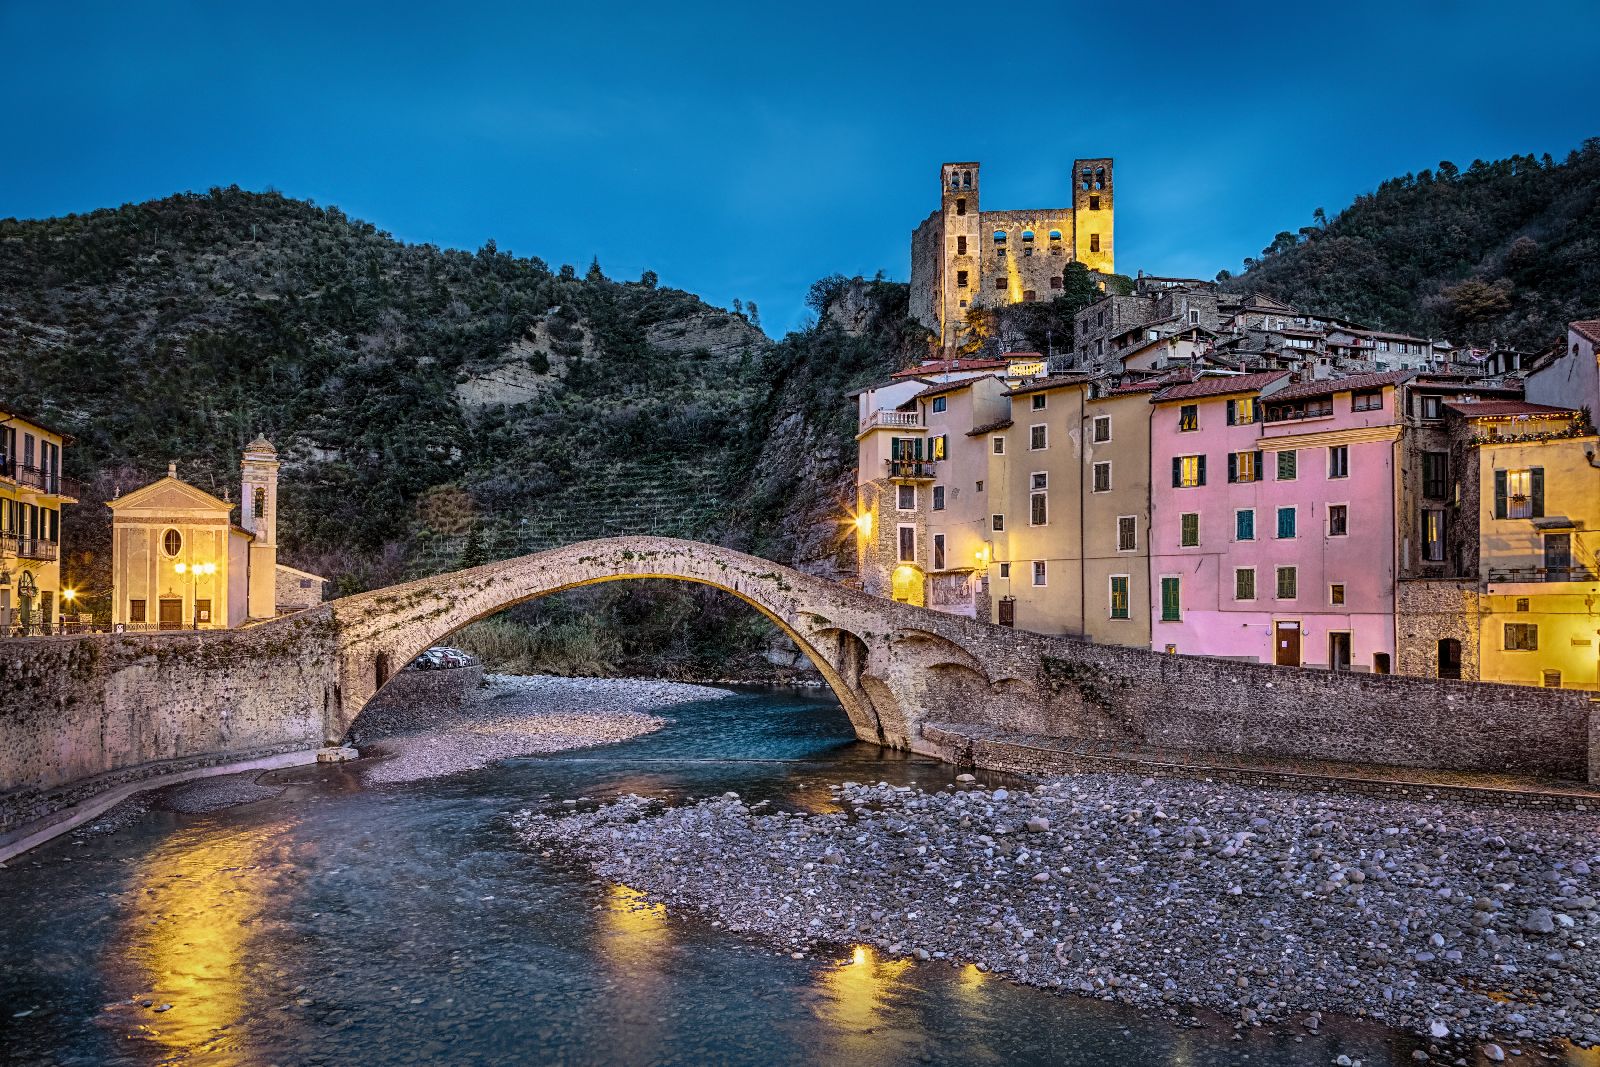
413 698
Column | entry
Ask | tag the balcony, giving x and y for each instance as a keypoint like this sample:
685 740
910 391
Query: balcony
896 420
910 470
45 481
27 547
1575 572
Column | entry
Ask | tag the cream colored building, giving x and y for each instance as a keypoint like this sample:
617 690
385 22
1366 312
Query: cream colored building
32 492
180 562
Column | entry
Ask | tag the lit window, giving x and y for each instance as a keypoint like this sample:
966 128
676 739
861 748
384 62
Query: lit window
1433 520
1188 418
1242 411
1521 637
1244 466
1188 471
259 501
1519 494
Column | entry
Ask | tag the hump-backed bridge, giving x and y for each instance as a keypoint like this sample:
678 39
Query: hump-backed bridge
83 718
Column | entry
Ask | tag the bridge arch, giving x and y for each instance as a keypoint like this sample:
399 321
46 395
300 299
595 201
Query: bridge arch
378 633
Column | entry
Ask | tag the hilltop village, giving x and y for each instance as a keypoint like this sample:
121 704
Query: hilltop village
1212 473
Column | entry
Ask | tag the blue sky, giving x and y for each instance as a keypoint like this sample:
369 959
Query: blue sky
744 151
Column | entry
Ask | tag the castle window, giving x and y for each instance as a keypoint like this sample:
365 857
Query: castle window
1094 203
961 205
1100 178
1029 296
1087 178
1094 242
955 180
961 279
1027 250
1027 235
961 245
1055 235
1055 282
1000 283
966 179
999 237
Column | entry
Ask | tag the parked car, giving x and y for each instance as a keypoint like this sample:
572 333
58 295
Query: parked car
440 657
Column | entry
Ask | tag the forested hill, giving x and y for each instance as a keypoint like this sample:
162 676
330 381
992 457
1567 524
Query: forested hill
1507 251
433 408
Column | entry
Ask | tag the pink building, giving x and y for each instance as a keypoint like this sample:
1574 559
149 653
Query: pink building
1273 517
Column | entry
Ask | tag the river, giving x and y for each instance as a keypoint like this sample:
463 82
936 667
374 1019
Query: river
341 923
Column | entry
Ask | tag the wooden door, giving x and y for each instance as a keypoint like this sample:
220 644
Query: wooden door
171 616
1288 642
1008 611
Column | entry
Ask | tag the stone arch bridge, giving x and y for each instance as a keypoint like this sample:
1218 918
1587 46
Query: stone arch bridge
87 718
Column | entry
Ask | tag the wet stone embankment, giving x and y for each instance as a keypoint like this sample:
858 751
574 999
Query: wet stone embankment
1471 926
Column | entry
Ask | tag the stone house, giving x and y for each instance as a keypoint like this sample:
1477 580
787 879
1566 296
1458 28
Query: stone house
32 494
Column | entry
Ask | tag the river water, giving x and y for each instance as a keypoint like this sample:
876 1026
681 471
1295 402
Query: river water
404 923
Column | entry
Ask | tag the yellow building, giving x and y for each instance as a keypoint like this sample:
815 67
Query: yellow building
32 492
180 562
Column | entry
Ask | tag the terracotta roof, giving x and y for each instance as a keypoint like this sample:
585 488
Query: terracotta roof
1220 386
1483 409
7 414
945 366
1149 385
1048 383
1589 328
1349 383
989 427
950 387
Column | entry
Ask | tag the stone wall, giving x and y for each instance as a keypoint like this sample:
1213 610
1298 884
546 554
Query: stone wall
82 714
1427 612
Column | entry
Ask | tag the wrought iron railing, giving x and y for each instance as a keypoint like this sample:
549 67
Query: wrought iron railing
910 468
36 548
1575 572
40 478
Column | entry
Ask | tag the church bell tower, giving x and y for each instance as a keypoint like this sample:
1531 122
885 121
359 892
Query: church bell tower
258 501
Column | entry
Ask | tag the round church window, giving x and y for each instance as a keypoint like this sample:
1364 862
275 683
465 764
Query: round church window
172 543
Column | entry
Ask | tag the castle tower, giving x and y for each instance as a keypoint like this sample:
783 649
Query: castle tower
259 503
960 266
1092 196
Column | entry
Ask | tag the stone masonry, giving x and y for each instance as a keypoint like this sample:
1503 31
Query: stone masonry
80 712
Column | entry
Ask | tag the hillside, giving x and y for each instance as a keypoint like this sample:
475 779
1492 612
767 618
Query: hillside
433 408
1507 251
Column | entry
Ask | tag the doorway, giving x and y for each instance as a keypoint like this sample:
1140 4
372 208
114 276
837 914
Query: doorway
1339 650
1287 642
1557 557
1449 658
1008 611
171 613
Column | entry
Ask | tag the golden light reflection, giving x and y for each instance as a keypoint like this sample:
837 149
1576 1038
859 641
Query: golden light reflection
632 928
195 902
856 996
635 942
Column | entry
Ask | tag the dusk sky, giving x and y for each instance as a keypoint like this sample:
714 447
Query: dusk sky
746 151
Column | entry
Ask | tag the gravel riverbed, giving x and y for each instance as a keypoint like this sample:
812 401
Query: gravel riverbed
518 716
1467 924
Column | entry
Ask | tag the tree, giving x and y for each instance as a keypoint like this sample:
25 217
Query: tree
472 553
754 314
648 279
595 274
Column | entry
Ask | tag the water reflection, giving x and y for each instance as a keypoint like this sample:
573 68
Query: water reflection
196 904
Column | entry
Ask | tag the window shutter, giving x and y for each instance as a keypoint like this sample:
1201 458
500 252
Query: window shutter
1202 470
1536 478
1177 471
1499 494
1232 410
1260 474
1233 460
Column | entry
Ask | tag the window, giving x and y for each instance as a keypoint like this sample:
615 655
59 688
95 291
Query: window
1094 242
1244 466
961 250
1102 429
1522 603
1436 475
1169 600
1338 520
938 445
1000 283
1039 401
961 205
1127 533
1288 583
1286 522
1037 437
1038 480
1288 465
908 544
1119 596
979 485
938 498
1102 477
1038 572
961 279
1552 679
906 497
1433 535
1244 583
940 403
1037 512
1028 295
1519 494
999 445
997 522
1521 637
1188 471
1094 203
1189 529
1188 418
258 502
136 611
172 542
1367 401
1055 280
1242 411
1244 524
1338 461
1005 570
1336 593
938 552
1431 407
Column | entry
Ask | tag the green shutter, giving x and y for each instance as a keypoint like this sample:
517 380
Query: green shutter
1536 477
1169 599
1499 494
1232 413
1233 464
1177 471
1260 472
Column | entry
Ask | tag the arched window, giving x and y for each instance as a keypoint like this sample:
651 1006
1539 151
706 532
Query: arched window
966 179
955 180
999 237
1027 235
172 542
1087 178
1100 178
1055 235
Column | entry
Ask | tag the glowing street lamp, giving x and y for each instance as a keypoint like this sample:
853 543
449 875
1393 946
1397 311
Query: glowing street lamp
864 523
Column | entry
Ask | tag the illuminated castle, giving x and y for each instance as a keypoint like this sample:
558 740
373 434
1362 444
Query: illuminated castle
962 256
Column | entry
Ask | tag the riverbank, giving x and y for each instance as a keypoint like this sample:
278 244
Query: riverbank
1467 924
516 715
